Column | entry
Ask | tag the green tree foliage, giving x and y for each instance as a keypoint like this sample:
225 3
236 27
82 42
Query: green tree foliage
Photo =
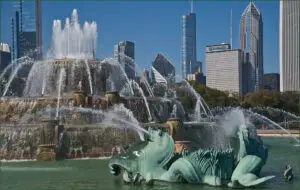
211 96
288 101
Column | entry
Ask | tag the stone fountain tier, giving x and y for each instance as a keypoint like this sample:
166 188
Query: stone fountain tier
112 98
46 152
79 98
177 132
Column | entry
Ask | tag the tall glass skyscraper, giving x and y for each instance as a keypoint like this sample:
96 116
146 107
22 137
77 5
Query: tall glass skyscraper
251 44
289 44
189 48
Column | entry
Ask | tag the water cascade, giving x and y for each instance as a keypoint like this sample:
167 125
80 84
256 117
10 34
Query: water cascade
62 76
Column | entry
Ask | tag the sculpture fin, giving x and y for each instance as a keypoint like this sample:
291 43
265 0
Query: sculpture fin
249 180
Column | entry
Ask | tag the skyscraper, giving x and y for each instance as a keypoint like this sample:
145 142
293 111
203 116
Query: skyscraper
189 47
251 45
289 44
5 56
124 54
224 68
271 81
38 21
164 67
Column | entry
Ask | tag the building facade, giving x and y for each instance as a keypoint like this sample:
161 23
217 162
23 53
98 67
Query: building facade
189 47
197 77
251 45
5 56
164 67
271 81
124 54
224 68
289 43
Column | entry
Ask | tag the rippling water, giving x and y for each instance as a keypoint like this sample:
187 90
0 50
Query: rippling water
93 174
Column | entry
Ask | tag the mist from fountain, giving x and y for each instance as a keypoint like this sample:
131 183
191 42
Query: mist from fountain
72 41
257 116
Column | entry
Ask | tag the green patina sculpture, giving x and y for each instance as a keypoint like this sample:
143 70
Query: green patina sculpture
154 159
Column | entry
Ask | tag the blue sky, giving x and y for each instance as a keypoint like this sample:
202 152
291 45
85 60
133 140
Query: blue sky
155 26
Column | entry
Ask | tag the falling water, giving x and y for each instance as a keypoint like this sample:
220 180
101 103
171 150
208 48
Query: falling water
271 122
10 66
117 75
89 75
199 101
62 76
279 110
14 73
137 86
112 116
150 91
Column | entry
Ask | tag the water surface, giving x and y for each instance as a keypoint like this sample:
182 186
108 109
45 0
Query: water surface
93 174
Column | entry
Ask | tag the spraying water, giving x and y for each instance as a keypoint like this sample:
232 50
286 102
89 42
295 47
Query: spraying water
14 73
72 41
206 110
111 117
62 76
89 75
271 122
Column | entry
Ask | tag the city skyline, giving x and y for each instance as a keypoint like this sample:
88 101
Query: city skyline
165 38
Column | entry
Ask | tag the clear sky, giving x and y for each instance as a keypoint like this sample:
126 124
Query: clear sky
155 26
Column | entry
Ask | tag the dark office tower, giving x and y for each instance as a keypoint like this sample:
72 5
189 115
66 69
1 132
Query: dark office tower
189 48
5 56
38 17
251 45
27 48
164 67
271 81
124 54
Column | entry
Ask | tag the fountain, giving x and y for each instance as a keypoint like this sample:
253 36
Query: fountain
75 106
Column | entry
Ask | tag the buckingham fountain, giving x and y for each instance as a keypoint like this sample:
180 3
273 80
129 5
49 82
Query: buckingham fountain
75 106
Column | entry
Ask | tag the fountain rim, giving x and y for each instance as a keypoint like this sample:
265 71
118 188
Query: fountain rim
174 119
111 92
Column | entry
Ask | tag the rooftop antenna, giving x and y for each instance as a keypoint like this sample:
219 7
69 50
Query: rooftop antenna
192 6
231 28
